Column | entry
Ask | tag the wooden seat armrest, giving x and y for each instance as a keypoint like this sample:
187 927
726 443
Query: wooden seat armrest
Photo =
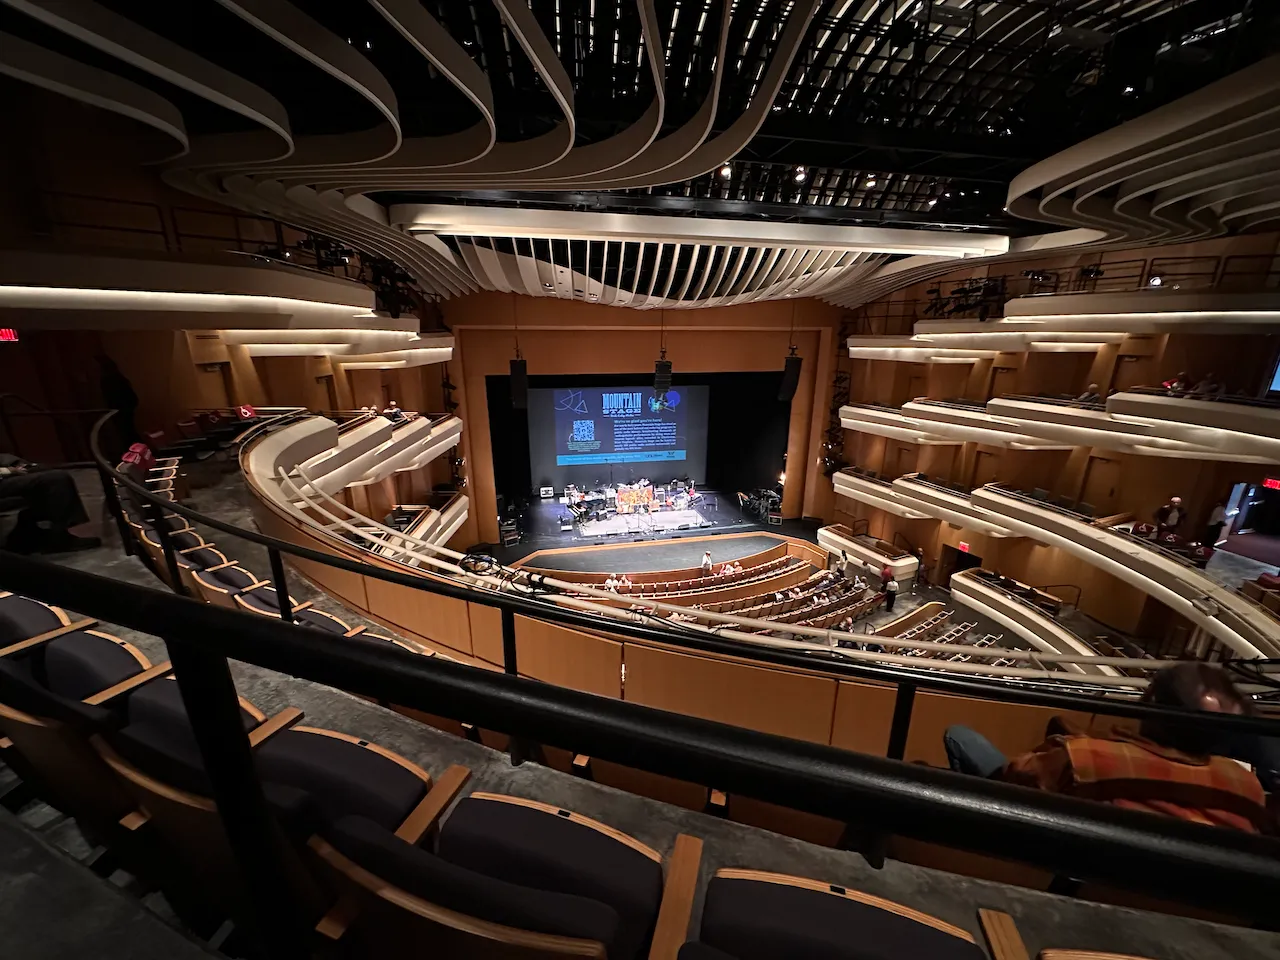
198 546
1002 935
256 585
125 686
39 639
678 891
305 605
354 631
334 924
220 566
135 821
428 811
282 721
5 744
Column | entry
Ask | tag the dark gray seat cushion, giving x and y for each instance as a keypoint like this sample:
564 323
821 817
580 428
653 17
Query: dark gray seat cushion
700 951
79 664
754 920
21 619
533 848
318 620
202 559
160 704
470 892
20 690
181 541
234 578
344 778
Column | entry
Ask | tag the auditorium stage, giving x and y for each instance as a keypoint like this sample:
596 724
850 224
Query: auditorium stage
540 523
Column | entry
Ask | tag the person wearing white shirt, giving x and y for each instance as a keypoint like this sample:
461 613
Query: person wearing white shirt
1217 520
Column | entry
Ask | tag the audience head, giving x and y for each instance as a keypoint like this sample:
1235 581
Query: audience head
1176 501
1093 387
1191 686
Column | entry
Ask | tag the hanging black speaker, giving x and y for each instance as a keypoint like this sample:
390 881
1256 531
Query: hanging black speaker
661 376
790 379
519 385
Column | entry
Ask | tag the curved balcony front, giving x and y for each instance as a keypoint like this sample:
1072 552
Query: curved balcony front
1230 617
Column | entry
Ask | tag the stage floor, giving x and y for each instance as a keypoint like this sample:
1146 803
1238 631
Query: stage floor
640 524
653 555
540 528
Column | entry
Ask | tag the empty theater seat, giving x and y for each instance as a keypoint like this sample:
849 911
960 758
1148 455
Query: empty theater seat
262 599
218 585
753 915
508 877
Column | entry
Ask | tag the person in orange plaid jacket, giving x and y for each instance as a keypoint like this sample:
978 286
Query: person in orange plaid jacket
1170 767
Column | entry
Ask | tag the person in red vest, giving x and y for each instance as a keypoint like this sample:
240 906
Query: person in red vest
1169 767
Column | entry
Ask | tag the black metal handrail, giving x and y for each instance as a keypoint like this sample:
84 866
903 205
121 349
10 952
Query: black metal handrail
1244 400
1056 401
1083 839
533 605
998 584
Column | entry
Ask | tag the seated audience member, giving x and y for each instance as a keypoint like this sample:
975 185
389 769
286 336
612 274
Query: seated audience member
1169 767
1208 386
737 567
705 566
725 569
859 583
393 412
795 593
778 597
1178 385
1091 395
611 584
624 580
51 506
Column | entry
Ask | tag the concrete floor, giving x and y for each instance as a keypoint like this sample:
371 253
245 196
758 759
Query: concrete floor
1045 920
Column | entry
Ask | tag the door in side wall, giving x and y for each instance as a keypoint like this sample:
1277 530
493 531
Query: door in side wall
1101 486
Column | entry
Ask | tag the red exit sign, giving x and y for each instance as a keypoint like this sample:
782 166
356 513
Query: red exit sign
962 547
8 334
1272 483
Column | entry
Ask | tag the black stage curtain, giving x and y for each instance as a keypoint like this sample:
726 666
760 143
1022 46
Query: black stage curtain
747 428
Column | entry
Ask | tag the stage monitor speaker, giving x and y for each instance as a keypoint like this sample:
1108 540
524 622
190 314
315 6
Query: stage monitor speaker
790 379
661 376
520 385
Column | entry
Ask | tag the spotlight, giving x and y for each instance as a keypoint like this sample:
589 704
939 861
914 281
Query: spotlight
1155 281
871 183
1128 91
726 171
933 201
800 174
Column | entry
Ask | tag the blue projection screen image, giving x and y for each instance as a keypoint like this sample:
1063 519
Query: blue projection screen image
582 435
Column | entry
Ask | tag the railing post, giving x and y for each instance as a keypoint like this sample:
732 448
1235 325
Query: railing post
281 585
509 642
902 706
112 499
519 749
213 706
161 528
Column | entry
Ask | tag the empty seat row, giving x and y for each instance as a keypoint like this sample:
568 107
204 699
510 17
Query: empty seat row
703 583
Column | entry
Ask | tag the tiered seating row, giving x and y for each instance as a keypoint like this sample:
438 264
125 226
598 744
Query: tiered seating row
380 856
702 584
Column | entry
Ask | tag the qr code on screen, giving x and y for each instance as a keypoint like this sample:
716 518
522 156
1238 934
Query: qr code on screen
584 430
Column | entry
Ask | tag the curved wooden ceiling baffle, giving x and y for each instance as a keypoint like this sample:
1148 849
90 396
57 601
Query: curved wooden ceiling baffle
44 68
1192 169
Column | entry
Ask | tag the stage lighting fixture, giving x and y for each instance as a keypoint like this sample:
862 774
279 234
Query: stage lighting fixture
871 183
726 171
1155 281
790 377
800 174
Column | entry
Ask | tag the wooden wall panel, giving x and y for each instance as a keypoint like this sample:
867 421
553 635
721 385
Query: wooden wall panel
758 698
486 632
439 620
864 714
1013 728
569 658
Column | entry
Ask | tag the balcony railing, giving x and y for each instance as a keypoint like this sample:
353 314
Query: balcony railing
982 298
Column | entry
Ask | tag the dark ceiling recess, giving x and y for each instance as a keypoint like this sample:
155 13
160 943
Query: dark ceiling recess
911 113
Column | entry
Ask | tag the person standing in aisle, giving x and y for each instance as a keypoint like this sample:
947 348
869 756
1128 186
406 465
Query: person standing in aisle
1217 520
890 594
706 564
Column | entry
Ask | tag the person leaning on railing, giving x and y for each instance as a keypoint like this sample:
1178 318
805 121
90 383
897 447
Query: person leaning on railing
1171 767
